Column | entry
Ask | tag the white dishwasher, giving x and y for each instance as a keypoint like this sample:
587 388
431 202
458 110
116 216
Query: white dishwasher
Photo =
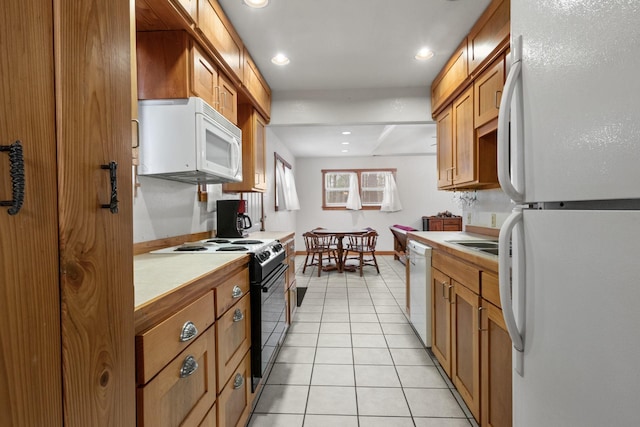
420 289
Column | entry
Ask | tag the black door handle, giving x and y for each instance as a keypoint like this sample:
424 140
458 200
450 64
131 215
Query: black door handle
16 170
113 178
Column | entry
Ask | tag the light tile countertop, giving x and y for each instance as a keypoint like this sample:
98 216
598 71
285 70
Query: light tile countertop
155 275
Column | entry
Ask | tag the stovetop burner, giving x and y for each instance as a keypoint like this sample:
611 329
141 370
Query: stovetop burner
232 249
246 242
190 248
218 241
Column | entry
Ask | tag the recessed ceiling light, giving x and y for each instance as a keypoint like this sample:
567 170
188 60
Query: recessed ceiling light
280 59
424 54
345 143
345 151
346 132
256 4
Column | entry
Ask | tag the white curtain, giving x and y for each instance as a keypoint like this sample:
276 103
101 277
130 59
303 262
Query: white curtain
390 195
286 188
290 194
353 200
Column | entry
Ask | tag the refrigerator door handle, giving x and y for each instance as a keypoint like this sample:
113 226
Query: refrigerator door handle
505 281
504 115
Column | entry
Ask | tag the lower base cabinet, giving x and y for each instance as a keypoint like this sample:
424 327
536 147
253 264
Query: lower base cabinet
470 340
234 402
210 420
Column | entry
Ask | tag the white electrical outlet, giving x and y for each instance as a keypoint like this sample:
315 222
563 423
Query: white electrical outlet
493 220
468 217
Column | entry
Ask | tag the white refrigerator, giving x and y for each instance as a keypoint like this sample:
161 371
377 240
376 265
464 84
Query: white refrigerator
569 157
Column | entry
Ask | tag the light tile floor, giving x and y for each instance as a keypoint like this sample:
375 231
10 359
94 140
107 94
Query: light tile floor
351 359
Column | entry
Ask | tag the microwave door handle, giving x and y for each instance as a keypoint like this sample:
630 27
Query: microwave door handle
236 148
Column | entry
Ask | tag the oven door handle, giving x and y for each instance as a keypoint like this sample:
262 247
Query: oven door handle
274 277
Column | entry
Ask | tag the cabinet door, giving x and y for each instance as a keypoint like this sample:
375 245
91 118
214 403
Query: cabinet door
30 374
441 292
495 356
464 164
204 77
191 7
93 125
445 148
260 152
218 31
234 403
466 346
489 32
487 91
233 336
228 99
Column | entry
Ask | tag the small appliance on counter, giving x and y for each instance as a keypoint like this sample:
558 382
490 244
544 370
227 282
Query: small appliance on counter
232 219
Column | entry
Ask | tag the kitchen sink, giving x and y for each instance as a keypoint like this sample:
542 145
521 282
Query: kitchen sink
486 246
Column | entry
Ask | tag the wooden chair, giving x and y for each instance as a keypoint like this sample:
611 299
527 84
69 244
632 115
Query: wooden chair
317 247
362 248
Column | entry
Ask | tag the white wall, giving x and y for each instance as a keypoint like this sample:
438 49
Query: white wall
416 181
488 202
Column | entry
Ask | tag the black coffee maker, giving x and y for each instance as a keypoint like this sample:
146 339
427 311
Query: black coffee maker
232 220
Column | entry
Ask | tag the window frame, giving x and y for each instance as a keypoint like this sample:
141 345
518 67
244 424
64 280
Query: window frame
358 173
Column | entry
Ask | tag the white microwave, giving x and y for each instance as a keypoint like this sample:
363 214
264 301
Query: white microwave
187 140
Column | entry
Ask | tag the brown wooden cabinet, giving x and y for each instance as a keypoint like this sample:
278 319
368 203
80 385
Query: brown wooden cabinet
66 296
487 89
254 156
451 78
172 65
256 86
444 123
234 403
470 339
435 223
465 346
489 35
220 35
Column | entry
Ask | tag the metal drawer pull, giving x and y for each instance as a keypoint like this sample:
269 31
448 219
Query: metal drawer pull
189 366
236 292
238 381
480 319
16 172
113 179
237 315
189 331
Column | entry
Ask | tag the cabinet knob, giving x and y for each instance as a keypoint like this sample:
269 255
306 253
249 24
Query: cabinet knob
238 381
236 292
237 315
189 331
189 366
480 319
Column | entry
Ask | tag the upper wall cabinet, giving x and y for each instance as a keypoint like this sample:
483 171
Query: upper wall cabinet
219 33
487 91
489 36
208 27
452 77
254 160
170 65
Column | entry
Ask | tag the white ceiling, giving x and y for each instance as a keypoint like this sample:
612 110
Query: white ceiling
353 44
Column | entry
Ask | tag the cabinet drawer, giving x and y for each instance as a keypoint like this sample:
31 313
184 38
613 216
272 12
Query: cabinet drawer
490 288
466 274
234 403
233 339
175 398
160 344
229 292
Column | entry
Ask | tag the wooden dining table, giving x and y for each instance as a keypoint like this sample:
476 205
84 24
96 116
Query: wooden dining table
339 235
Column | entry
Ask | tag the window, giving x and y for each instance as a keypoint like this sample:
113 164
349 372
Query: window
370 187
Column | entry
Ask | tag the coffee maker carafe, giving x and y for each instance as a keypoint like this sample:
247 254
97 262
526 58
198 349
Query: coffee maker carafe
232 220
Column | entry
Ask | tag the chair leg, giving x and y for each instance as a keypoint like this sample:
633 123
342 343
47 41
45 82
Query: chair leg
375 261
319 263
304 268
361 263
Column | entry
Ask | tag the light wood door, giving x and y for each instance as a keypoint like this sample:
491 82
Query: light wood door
444 122
234 403
219 32
204 77
93 127
466 346
495 356
260 152
228 99
464 159
233 339
30 374
487 91
441 293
